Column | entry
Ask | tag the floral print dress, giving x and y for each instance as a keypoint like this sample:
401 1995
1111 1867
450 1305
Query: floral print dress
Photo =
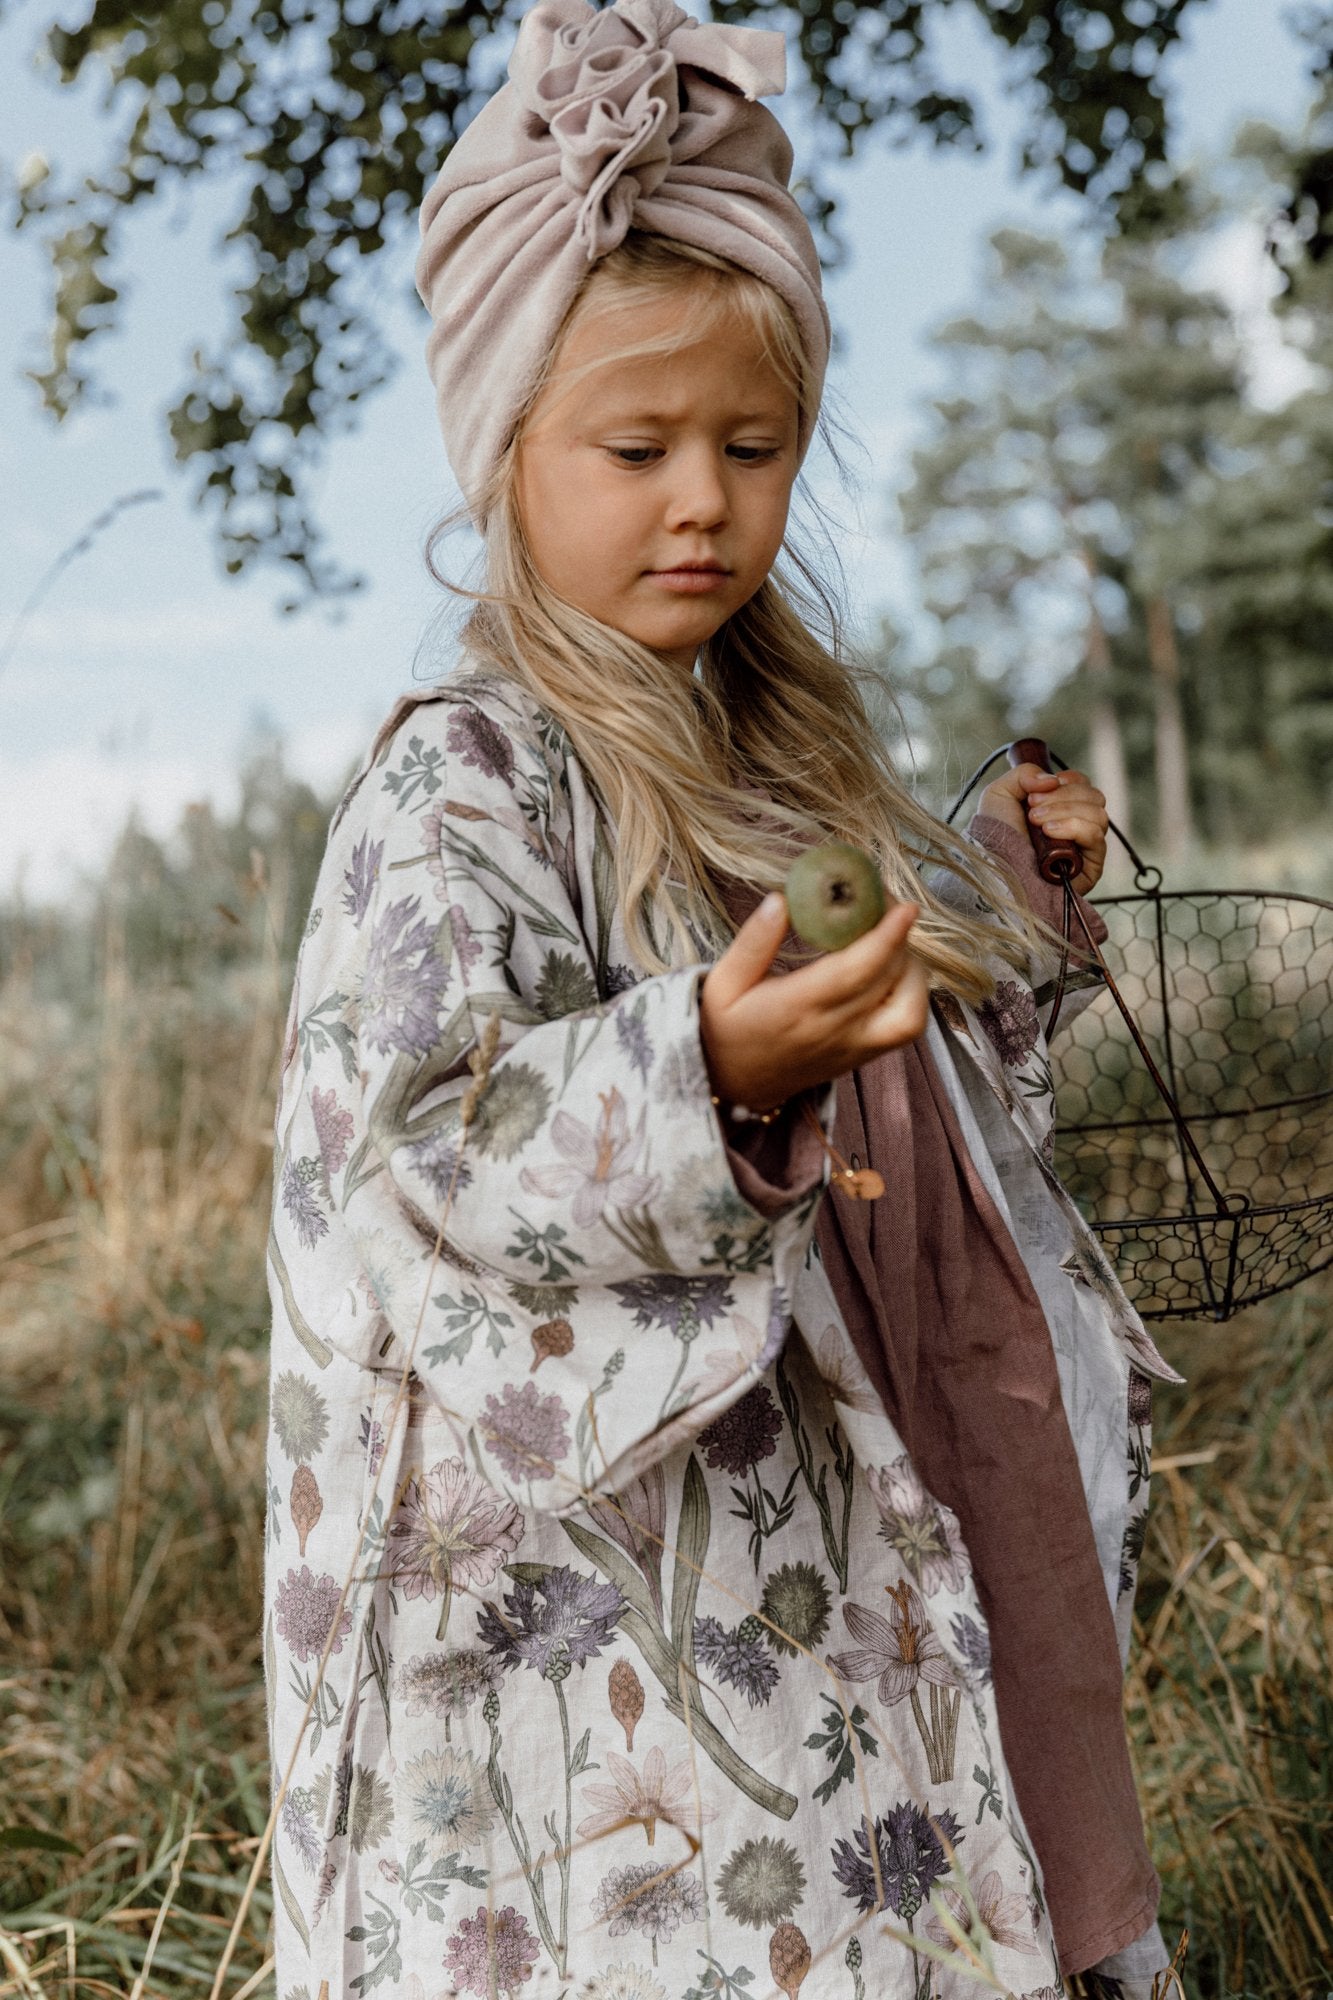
612 1645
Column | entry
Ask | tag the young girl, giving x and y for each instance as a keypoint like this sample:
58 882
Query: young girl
685 1578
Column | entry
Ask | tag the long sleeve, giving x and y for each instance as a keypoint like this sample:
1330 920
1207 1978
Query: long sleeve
589 1227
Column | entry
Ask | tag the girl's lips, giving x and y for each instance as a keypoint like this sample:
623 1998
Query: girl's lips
690 582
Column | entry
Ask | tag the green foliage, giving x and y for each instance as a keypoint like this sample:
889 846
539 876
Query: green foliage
1120 551
333 117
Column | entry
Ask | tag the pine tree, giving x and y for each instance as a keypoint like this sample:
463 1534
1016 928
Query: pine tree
1049 510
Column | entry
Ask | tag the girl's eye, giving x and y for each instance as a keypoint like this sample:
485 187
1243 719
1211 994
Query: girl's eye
633 454
753 454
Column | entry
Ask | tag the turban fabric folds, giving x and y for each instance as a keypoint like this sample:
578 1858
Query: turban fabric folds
629 116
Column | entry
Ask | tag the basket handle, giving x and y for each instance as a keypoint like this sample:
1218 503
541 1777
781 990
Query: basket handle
1058 860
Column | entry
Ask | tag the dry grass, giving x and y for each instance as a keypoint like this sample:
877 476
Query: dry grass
1231 1693
134 1156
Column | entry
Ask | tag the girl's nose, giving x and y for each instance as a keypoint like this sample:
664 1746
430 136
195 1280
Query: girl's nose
699 497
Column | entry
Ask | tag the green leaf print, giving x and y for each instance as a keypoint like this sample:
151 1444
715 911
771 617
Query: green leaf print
692 1536
537 917
675 1671
716 1983
990 1791
319 1350
420 772
381 1938
289 1902
543 1247
837 1747
836 1540
463 1318
326 1026
428 1891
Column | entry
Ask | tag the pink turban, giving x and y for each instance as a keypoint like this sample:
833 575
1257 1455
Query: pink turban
630 116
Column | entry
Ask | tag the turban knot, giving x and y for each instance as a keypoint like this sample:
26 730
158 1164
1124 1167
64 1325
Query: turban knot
628 116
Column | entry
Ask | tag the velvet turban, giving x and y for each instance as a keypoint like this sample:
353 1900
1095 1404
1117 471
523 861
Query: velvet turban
629 116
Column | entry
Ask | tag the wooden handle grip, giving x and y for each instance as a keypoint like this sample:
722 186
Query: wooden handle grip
1058 860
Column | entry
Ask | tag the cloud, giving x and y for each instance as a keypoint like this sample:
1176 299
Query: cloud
61 811
1234 264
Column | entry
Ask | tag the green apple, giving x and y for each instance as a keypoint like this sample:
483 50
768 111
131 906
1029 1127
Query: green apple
834 895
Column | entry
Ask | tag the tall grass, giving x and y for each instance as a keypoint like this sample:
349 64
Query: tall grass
137 1057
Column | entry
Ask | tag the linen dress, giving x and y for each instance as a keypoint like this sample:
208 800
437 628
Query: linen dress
650 1669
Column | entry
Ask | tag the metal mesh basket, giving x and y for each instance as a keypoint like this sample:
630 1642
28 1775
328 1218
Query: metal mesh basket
1194 1097
1220 1193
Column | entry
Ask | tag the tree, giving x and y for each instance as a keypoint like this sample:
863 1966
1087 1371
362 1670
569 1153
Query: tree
1049 512
1266 575
333 116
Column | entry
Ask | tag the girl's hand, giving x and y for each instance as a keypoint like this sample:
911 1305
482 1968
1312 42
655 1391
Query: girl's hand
1064 804
767 1038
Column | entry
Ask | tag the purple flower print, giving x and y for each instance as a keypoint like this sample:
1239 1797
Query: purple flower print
403 982
1131 1552
739 1658
649 1897
446 1684
480 743
1140 1399
437 1161
973 1642
1003 1919
633 1038
909 1858
900 1651
307 1609
528 1432
682 1305
452 1531
467 944
333 1128
744 1434
301 1202
602 1161
371 1439
1010 1019
298 1823
491 1954
561 1621
361 878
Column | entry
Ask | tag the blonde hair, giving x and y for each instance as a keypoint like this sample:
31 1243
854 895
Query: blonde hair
772 705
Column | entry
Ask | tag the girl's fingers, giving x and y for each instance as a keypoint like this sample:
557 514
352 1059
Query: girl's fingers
901 1016
747 959
859 969
1032 780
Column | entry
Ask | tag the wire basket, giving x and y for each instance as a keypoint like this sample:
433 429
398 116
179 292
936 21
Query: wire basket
1194 1096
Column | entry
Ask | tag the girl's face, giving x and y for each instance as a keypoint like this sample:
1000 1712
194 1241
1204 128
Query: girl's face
654 491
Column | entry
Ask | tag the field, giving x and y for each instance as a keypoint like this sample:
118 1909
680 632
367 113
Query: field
136 1083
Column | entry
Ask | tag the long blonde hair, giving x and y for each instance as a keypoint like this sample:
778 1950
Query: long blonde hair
677 760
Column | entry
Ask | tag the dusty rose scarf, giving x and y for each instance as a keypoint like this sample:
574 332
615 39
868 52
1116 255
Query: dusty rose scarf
953 1336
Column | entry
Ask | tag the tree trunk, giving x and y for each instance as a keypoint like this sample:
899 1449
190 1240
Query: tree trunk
1175 820
1106 746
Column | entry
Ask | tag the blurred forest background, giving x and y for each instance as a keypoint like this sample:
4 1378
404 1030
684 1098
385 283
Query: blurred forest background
1113 543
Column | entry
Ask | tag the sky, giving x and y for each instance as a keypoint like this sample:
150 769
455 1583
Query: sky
144 672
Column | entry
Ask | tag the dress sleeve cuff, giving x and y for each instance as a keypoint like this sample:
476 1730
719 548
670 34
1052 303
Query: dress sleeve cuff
774 1165
1045 899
